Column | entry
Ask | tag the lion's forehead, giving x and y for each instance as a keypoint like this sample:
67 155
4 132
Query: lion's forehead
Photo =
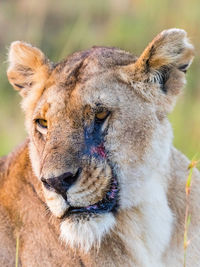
82 77
58 100
97 57
84 65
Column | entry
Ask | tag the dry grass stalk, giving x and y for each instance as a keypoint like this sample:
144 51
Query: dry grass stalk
188 184
17 251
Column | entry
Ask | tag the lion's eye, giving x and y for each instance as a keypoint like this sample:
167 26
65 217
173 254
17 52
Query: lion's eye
42 123
101 116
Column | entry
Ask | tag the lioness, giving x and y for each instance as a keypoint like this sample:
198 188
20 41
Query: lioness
98 181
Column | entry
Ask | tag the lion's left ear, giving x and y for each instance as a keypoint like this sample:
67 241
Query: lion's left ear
169 55
28 67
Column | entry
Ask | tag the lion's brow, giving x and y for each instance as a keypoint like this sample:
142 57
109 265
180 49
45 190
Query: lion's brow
74 67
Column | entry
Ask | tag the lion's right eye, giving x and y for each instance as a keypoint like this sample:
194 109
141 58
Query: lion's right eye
41 123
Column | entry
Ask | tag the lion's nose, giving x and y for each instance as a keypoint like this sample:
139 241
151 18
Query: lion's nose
61 183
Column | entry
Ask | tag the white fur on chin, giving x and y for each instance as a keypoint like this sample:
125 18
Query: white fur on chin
85 234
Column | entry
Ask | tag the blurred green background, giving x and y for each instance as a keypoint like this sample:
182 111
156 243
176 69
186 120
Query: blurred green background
62 27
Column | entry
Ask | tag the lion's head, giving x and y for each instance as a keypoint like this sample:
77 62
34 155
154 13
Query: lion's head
97 126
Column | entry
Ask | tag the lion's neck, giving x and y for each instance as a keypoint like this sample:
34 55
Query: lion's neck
146 229
142 234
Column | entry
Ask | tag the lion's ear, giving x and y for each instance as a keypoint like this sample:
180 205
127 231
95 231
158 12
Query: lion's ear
169 52
28 67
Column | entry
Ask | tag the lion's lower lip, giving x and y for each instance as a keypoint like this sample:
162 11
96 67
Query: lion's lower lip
107 204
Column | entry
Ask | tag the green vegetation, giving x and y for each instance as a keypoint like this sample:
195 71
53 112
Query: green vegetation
62 27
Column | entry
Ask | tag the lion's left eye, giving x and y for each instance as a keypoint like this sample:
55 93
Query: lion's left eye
42 123
101 116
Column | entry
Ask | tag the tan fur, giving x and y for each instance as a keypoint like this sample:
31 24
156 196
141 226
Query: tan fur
147 228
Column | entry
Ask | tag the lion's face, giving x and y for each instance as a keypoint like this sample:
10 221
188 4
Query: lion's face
85 155
97 126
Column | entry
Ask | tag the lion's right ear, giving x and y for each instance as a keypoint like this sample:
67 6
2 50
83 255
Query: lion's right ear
28 67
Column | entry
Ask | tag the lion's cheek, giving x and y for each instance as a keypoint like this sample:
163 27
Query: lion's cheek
35 159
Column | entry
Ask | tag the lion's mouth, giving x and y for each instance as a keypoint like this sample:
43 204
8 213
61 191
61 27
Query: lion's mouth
107 204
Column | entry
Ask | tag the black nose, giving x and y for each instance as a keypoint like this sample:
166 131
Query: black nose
61 183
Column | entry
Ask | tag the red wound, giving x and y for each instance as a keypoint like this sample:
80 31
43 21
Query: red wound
99 150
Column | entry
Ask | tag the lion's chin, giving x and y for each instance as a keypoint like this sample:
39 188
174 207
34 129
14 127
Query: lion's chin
86 231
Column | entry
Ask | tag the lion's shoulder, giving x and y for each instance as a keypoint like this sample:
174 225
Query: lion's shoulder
11 167
7 244
14 165
2 164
